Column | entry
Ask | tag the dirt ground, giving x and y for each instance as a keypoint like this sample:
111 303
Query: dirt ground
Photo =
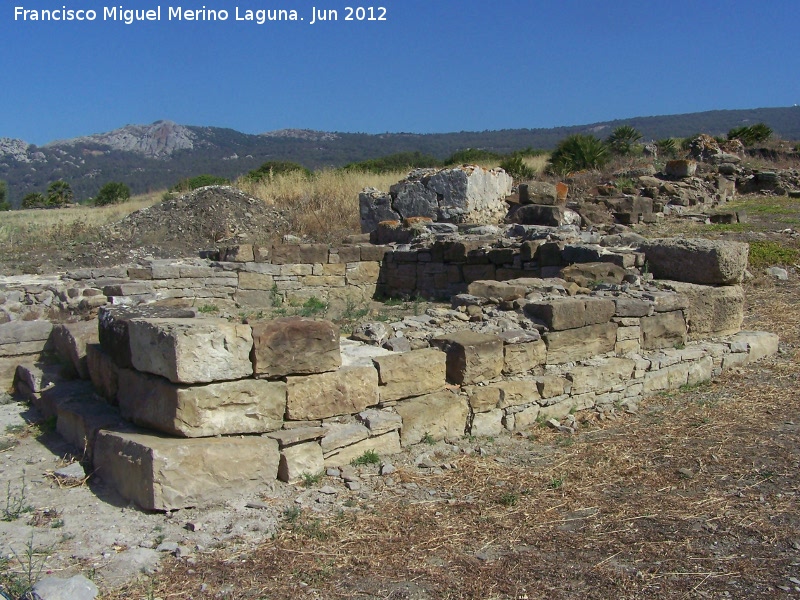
694 496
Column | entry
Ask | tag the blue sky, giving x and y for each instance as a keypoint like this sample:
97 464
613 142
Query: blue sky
432 66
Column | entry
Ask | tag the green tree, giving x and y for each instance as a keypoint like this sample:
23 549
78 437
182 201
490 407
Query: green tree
113 192
59 193
623 139
578 152
34 200
4 203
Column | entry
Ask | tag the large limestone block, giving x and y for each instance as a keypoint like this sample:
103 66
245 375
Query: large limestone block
339 435
487 424
103 372
380 421
558 314
521 358
300 460
411 373
113 327
70 341
483 398
708 262
346 391
294 346
517 393
497 289
375 206
191 350
601 377
760 344
24 337
439 416
711 311
663 330
36 377
585 274
382 445
162 473
578 344
79 420
471 357
223 408
550 216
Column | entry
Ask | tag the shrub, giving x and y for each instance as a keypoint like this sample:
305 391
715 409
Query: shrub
59 193
667 147
34 200
3 191
579 152
749 135
516 167
623 139
276 167
686 143
401 161
192 183
114 192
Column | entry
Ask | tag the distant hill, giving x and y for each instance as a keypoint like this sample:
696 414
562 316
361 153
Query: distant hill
152 157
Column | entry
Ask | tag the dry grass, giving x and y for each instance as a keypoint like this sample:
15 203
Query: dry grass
323 207
42 227
537 163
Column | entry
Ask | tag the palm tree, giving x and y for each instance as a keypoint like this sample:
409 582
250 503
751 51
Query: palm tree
59 193
622 139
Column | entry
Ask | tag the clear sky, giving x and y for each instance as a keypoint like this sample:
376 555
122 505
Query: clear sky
431 66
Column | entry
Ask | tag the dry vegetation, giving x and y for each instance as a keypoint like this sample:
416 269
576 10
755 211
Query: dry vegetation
323 207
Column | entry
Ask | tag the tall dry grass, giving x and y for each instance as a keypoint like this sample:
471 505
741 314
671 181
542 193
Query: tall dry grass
42 227
323 207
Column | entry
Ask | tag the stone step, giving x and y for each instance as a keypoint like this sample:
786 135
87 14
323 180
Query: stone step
160 473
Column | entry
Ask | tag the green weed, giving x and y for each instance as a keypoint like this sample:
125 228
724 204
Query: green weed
310 480
509 499
370 457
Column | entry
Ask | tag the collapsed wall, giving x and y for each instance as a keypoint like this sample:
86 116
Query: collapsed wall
175 409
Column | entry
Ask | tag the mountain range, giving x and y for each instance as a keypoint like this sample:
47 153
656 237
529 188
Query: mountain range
156 156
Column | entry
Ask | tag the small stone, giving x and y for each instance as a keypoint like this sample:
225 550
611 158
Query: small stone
258 505
353 485
72 471
778 273
167 547
333 472
387 469
686 473
193 526
327 490
553 423
74 588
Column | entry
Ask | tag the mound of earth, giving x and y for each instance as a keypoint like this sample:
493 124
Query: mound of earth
203 219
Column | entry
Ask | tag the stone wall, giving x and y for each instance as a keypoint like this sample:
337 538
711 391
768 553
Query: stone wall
180 411
173 409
